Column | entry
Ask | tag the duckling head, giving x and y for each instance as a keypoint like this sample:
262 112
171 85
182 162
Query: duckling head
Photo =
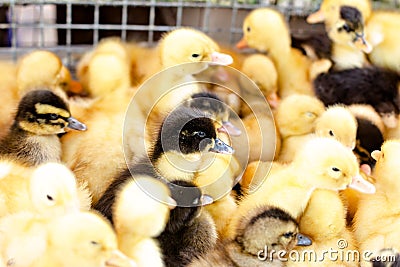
186 45
339 123
42 68
349 29
297 114
53 190
213 106
86 239
266 30
42 112
150 216
386 161
329 11
271 227
330 165
188 131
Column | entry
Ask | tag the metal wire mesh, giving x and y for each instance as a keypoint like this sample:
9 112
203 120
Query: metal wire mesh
73 26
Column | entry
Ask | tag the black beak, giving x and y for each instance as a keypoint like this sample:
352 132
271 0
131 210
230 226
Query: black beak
303 240
75 124
221 147
229 128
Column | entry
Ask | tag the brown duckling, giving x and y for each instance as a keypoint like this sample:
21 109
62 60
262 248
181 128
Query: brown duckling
32 138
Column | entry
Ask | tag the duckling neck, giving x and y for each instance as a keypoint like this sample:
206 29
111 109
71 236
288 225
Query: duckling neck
346 57
176 166
30 149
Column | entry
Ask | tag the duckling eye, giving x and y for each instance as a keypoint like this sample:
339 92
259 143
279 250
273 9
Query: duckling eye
50 198
195 55
346 27
335 169
94 243
288 235
248 29
53 116
201 134
331 133
310 114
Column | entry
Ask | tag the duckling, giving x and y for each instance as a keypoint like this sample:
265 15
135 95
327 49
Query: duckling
183 52
266 30
48 72
349 44
190 231
264 229
32 138
376 220
320 163
176 154
326 227
49 190
381 32
295 119
140 214
183 45
329 11
82 239
107 79
375 86
256 67
338 122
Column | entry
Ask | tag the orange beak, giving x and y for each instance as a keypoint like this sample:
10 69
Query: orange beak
363 45
242 44
76 87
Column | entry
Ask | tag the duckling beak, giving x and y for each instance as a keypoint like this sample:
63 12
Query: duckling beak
229 128
118 259
221 147
75 124
242 44
360 184
303 240
316 17
221 59
362 44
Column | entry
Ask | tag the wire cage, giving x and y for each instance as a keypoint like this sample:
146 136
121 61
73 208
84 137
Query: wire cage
71 27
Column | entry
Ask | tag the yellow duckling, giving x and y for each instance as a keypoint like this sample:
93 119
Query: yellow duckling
376 221
261 70
339 123
295 119
266 30
320 163
106 78
82 239
381 32
140 214
42 68
327 229
49 189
